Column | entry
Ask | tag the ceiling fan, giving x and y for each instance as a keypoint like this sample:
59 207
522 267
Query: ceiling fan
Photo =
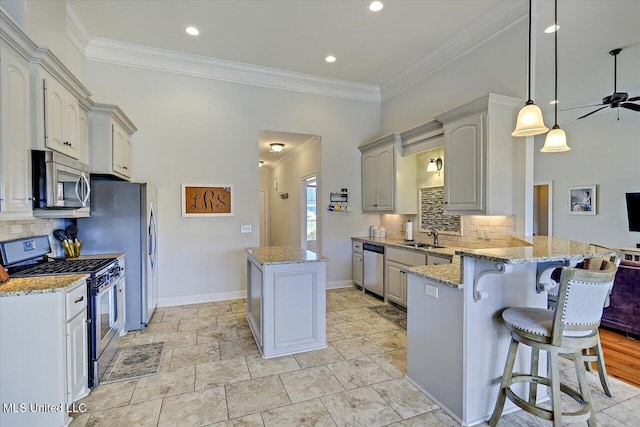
617 99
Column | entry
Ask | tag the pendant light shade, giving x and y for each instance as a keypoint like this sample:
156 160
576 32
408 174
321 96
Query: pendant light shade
556 141
530 121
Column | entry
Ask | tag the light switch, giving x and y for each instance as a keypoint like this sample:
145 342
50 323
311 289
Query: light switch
245 228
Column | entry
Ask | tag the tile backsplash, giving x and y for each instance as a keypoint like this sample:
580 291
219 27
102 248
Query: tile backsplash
16 229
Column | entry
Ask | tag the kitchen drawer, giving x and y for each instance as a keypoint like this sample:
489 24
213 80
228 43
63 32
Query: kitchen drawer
436 260
406 257
76 300
356 246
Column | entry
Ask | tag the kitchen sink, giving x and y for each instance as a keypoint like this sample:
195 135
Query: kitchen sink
422 245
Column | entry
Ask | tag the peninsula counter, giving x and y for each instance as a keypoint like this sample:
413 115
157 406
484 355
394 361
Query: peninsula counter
456 341
286 299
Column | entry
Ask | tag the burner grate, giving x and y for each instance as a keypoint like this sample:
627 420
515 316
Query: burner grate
67 266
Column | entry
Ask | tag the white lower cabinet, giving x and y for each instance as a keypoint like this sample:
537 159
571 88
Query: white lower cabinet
43 356
394 278
357 263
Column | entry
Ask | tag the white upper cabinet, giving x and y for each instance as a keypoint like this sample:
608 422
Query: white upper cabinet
110 133
389 181
15 121
479 168
58 96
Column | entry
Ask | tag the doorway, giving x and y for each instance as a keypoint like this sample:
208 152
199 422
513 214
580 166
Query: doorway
543 209
264 218
309 212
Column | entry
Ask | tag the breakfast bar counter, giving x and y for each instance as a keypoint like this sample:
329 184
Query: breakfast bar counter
456 341
286 299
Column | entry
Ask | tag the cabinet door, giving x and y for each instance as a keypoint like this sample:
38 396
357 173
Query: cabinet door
464 174
127 153
369 182
118 147
356 268
395 281
54 115
77 357
386 178
83 137
15 135
72 126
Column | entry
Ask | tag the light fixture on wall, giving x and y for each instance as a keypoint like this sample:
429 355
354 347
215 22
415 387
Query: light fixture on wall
276 147
530 121
434 165
556 141
260 163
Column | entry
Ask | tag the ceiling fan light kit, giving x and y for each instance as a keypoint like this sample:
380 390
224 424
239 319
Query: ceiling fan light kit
530 121
556 140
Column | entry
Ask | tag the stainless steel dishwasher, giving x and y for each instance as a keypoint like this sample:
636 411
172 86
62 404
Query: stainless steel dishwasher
373 280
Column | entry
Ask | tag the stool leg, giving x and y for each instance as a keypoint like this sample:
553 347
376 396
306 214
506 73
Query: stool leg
506 382
602 369
555 389
583 382
533 386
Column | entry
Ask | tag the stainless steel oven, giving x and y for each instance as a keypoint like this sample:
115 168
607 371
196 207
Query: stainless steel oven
59 181
106 315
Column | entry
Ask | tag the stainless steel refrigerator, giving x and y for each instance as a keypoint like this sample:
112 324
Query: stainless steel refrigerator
123 219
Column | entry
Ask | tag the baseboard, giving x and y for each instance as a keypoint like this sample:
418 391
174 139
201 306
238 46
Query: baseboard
340 284
197 299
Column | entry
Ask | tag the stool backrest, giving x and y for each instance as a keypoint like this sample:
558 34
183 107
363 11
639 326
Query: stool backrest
581 297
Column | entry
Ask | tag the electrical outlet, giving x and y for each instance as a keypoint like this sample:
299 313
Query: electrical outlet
245 228
480 233
431 290
486 234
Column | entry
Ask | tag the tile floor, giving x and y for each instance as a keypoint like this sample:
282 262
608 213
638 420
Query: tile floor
212 375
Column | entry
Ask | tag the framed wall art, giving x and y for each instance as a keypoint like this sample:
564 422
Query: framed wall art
581 200
200 200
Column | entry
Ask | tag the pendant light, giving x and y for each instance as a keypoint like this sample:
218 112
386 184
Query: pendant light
530 120
556 141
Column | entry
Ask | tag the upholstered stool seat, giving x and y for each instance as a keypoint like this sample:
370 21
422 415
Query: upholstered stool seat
570 328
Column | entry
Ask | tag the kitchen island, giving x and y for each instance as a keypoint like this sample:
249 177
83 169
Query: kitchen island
286 299
456 341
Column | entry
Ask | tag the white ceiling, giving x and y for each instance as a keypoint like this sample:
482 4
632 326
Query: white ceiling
375 48
292 142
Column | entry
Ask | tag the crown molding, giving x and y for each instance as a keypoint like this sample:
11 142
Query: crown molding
495 21
109 51
12 33
76 31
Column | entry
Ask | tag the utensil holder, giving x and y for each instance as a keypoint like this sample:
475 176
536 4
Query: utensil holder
72 249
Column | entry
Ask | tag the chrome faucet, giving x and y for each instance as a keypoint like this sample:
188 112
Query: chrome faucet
434 233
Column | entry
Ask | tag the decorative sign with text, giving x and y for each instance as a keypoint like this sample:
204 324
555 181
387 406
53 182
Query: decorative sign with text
207 200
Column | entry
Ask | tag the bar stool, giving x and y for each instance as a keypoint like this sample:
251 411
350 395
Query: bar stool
568 329
595 354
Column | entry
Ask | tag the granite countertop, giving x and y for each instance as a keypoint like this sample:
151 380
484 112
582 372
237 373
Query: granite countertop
283 255
541 249
38 285
446 274
448 251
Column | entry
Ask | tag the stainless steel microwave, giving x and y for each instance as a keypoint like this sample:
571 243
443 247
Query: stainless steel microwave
59 181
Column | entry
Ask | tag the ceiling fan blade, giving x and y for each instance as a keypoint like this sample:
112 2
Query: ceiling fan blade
630 106
582 106
635 98
593 112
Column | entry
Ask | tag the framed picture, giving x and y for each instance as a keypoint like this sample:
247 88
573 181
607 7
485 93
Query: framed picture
207 200
581 200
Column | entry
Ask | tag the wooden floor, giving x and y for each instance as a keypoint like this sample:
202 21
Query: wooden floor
621 356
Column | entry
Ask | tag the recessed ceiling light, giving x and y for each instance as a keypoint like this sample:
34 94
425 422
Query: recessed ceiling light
552 29
376 6
330 58
193 31
276 147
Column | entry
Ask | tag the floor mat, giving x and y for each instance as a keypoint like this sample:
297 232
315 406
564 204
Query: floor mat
134 362
391 313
